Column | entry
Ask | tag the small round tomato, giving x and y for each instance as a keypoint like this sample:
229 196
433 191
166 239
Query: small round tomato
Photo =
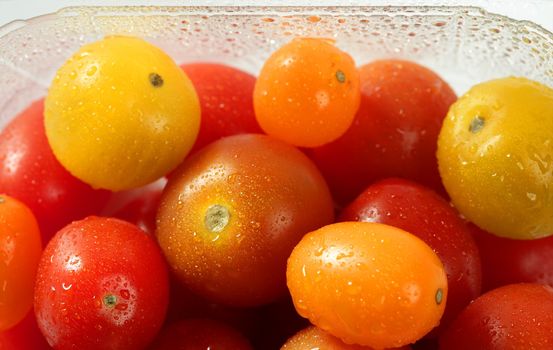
102 284
141 211
232 213
24 336
307 92
367 283
506 261
516 316
420 211
226 101
315 338
394 133
199 334
30 172
20 250
495 152
120 113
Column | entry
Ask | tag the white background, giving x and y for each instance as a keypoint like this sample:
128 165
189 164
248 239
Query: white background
538 11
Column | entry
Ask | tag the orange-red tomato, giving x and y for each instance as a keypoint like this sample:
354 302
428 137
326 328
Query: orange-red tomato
307 92
20 250
201 334
367 283
231 215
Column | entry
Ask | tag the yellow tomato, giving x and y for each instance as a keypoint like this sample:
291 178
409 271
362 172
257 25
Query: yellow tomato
120 113
495 155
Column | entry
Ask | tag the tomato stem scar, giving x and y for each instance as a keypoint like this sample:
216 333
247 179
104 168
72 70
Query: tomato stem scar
439 296
110 300
156 80
2 200
340 76
477 124
216 218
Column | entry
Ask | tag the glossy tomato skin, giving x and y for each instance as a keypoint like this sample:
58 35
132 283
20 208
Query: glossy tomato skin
102 284
20 251
394 132
367 283
507 261
307 92
232 213
226 101
315 338
420 211
516 316
24 336
30 172
141 211
201 334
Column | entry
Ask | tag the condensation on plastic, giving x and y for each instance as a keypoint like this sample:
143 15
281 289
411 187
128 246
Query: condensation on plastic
465 44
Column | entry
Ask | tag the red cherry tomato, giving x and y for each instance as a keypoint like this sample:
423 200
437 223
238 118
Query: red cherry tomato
19 256
201 334
141 211
230 216
101 284
425 214
516 316
506 261
30 172
24 336
394 132
226 101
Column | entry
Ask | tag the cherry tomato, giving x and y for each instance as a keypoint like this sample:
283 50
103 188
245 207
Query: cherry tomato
516 316
20 250
101 284
506 261
226 101
420 211
30 172
141 211
495 152
307 92
24 336
394 132
315 338
201 334
230 216
120 113
367 283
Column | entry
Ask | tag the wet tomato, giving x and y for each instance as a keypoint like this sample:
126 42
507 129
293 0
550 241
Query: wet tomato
101 284
516 316
201 334
420 211
141 210
30 172
307 92
232 213
495 154
368 283
24 336
394 132
315 338
20 250
142 126
506 261
226 101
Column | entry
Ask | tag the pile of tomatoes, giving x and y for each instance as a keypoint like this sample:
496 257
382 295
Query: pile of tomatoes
320 205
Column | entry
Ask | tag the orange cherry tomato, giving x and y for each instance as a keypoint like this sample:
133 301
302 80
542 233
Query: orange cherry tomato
307 92
367 283
20 250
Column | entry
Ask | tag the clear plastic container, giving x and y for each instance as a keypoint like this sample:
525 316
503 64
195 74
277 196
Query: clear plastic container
464 44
